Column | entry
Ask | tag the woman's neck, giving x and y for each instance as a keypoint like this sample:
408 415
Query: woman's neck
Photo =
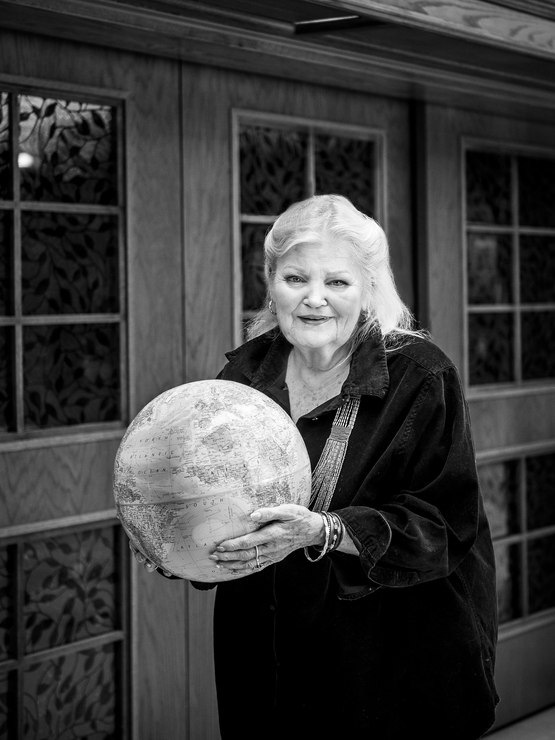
309 385
322 360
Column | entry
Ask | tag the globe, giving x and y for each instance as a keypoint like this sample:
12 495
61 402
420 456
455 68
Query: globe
195 463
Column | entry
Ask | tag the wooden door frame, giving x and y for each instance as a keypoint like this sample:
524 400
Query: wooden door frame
66 462
442 132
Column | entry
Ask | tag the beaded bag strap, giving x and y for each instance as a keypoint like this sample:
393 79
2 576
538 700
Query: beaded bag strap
326 473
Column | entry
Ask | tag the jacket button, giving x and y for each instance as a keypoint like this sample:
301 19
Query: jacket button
314 418
272 608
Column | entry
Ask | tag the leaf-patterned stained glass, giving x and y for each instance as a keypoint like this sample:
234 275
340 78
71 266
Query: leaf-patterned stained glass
6 178
499 484
8 703
541 565
7 380
489 268
488 188
272 169
509 579
540 491
73 696
71 374
6 264
538 340
69 263
252 263
537 269
536 191
70 588
491 348
7 603
346 166
70 151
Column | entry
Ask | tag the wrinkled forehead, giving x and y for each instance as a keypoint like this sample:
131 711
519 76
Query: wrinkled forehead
325 247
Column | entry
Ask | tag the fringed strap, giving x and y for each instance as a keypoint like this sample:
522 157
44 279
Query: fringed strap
326 473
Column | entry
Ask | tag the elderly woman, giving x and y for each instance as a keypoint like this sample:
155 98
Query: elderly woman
372 613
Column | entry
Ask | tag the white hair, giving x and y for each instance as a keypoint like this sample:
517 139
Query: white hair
335 217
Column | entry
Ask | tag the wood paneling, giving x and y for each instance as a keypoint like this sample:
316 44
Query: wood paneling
512 422
57 482
525 686
155 239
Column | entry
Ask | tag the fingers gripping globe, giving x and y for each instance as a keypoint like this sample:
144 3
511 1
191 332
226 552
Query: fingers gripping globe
195 463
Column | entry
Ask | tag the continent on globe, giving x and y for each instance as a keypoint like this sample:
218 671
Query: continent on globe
195 463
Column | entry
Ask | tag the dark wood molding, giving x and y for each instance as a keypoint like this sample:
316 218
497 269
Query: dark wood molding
474 20
325 25
481 76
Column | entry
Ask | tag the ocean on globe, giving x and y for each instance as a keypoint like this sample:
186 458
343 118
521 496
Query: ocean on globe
195 463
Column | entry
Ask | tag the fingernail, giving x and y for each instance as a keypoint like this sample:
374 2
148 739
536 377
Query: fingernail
256 515
220 549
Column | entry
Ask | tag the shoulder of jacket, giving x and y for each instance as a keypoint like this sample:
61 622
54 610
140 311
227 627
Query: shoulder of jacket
424 353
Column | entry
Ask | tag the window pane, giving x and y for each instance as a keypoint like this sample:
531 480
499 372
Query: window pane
69 263
8 705
536 191
346 167
71 374
69 588
491 348
6 263
489 268
541 567
5 149
252 246
499 486
507 563
538 340
69 151
540 491
74 696
7 387
488 188
273 169
7 604
537 269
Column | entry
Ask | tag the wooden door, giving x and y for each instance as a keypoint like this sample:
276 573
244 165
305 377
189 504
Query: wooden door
489 236
91 328
246 133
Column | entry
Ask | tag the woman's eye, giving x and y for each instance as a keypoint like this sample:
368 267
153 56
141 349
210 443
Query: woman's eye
294 279
339 283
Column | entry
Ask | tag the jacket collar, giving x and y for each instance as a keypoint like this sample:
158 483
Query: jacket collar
264 358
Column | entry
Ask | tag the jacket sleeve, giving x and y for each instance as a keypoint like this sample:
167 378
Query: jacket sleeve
426 522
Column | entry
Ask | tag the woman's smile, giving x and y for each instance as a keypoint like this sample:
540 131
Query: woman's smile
314 319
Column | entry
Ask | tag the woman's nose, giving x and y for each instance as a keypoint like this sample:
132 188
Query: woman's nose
316 295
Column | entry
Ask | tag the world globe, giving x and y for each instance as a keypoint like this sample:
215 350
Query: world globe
195 463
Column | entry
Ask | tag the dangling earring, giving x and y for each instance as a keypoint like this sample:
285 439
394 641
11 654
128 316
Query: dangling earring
270 307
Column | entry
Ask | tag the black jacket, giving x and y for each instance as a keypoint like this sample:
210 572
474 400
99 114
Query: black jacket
400 640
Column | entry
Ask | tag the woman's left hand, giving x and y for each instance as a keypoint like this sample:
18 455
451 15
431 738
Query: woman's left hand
283 529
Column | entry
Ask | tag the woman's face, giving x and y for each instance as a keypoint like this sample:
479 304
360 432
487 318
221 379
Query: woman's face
318 295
